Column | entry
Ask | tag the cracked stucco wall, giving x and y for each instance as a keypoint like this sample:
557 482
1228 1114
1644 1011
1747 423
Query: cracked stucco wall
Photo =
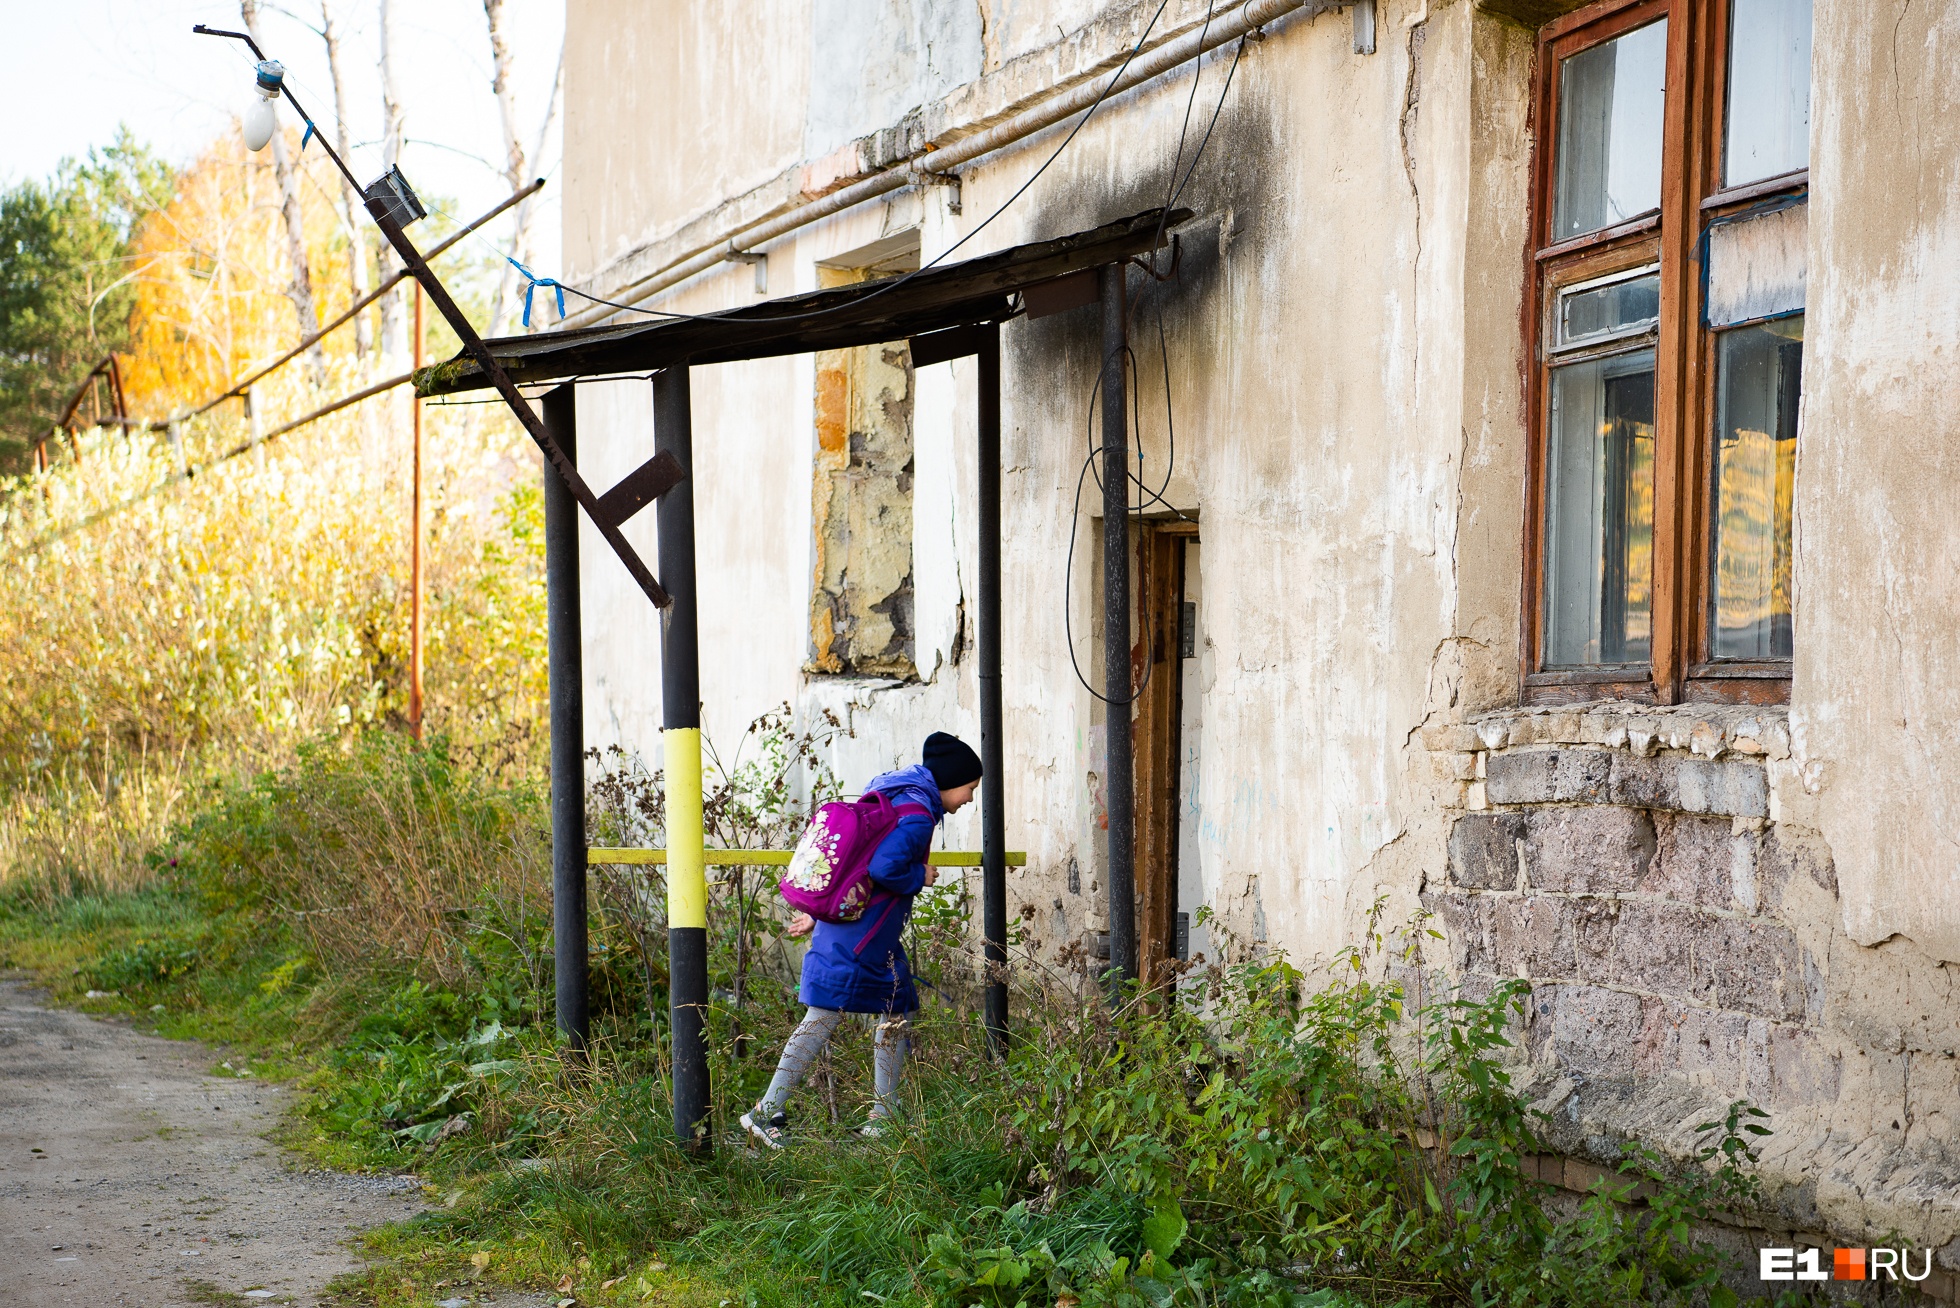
1343 364
1877 695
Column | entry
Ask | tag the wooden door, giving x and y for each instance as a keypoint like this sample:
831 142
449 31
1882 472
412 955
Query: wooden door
1157 669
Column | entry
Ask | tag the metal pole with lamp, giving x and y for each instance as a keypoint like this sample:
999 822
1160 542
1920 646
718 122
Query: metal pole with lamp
393 205
415 549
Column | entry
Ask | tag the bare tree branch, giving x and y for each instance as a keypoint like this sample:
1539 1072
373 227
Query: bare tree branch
394 336
350 203
301 291
503 87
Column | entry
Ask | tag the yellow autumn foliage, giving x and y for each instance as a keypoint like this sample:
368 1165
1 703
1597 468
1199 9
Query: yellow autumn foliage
156 631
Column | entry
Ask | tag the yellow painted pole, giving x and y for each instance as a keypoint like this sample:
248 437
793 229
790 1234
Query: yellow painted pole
680 716
687 865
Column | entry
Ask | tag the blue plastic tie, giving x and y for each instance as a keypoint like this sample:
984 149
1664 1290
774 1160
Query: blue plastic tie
310 129
536 281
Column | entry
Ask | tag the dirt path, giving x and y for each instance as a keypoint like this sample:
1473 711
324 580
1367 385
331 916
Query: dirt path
130 1177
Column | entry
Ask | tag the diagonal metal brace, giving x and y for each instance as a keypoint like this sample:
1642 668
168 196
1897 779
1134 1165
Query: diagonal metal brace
649 483
606 522
641 487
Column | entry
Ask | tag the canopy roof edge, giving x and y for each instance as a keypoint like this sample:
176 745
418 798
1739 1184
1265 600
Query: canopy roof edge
865 313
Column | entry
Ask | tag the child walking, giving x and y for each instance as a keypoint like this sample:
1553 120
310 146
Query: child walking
860 967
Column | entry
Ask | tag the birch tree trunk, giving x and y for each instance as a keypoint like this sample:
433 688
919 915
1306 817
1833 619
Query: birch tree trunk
301 291
352 210
517 165
394 336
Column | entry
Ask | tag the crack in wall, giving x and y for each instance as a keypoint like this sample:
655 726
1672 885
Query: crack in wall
1418 25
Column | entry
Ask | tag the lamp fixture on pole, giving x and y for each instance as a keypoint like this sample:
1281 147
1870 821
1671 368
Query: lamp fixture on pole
392 203
260 120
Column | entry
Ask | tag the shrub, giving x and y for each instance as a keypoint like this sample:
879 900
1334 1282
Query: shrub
382 856
145 964
1271 1140
1261 1137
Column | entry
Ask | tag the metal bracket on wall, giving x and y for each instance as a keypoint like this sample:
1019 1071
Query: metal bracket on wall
1363 15
758 259
921 177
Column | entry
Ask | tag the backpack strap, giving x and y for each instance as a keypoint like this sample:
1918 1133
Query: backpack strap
903 811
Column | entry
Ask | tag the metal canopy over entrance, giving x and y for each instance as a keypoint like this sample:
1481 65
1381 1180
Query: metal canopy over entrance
944 313
864 313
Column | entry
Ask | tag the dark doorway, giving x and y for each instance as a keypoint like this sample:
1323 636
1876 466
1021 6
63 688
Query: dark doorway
1167 639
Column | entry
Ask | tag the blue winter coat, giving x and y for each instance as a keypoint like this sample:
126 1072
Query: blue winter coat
860 966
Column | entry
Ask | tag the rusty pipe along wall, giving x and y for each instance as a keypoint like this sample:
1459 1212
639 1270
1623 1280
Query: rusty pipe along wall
1145 66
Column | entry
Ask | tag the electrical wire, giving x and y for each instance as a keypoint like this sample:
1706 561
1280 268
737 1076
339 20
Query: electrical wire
1170 186
1146 494
896 282
1177 187
1075 514
1068 575
1217 109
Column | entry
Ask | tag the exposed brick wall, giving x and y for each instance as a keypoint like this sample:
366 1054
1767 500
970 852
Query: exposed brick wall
1685 950
1645 933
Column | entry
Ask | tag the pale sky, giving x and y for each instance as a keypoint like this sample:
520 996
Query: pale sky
74 69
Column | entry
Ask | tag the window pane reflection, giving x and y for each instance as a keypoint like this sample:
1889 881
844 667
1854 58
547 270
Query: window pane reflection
1769 90
1609 132
1623 308
1599 512
1758 381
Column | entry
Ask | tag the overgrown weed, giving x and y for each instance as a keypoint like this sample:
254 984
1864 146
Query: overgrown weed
1266 1138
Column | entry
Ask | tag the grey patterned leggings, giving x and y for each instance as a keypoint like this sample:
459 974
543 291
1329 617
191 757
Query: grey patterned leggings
888 1049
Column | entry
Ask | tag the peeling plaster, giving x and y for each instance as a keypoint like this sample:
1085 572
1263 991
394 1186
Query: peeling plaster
1347 379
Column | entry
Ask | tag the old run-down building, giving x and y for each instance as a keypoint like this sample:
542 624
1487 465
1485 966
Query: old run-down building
1551 426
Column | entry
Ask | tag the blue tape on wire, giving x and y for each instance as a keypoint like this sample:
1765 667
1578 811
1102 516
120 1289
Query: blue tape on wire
534 281
310 130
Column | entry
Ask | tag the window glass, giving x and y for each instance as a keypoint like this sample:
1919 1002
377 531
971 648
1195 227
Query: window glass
1758 381
1602 311
1599 512
1609 132
1769 90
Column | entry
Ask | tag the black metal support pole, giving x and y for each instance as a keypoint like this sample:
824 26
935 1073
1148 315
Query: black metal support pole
993 796
563 654
1119 768
680 699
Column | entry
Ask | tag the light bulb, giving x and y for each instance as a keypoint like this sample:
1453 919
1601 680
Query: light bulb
261 120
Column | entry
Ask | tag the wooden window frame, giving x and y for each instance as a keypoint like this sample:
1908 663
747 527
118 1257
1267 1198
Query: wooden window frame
1693 120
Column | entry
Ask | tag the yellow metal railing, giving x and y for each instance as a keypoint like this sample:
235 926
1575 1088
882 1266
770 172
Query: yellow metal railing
779 857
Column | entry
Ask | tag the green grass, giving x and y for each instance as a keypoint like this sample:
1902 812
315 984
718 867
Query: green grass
1260 1154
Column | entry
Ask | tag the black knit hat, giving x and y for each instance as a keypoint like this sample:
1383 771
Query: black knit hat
951 761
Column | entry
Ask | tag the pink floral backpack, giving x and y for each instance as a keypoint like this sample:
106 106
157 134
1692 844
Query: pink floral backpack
829 875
